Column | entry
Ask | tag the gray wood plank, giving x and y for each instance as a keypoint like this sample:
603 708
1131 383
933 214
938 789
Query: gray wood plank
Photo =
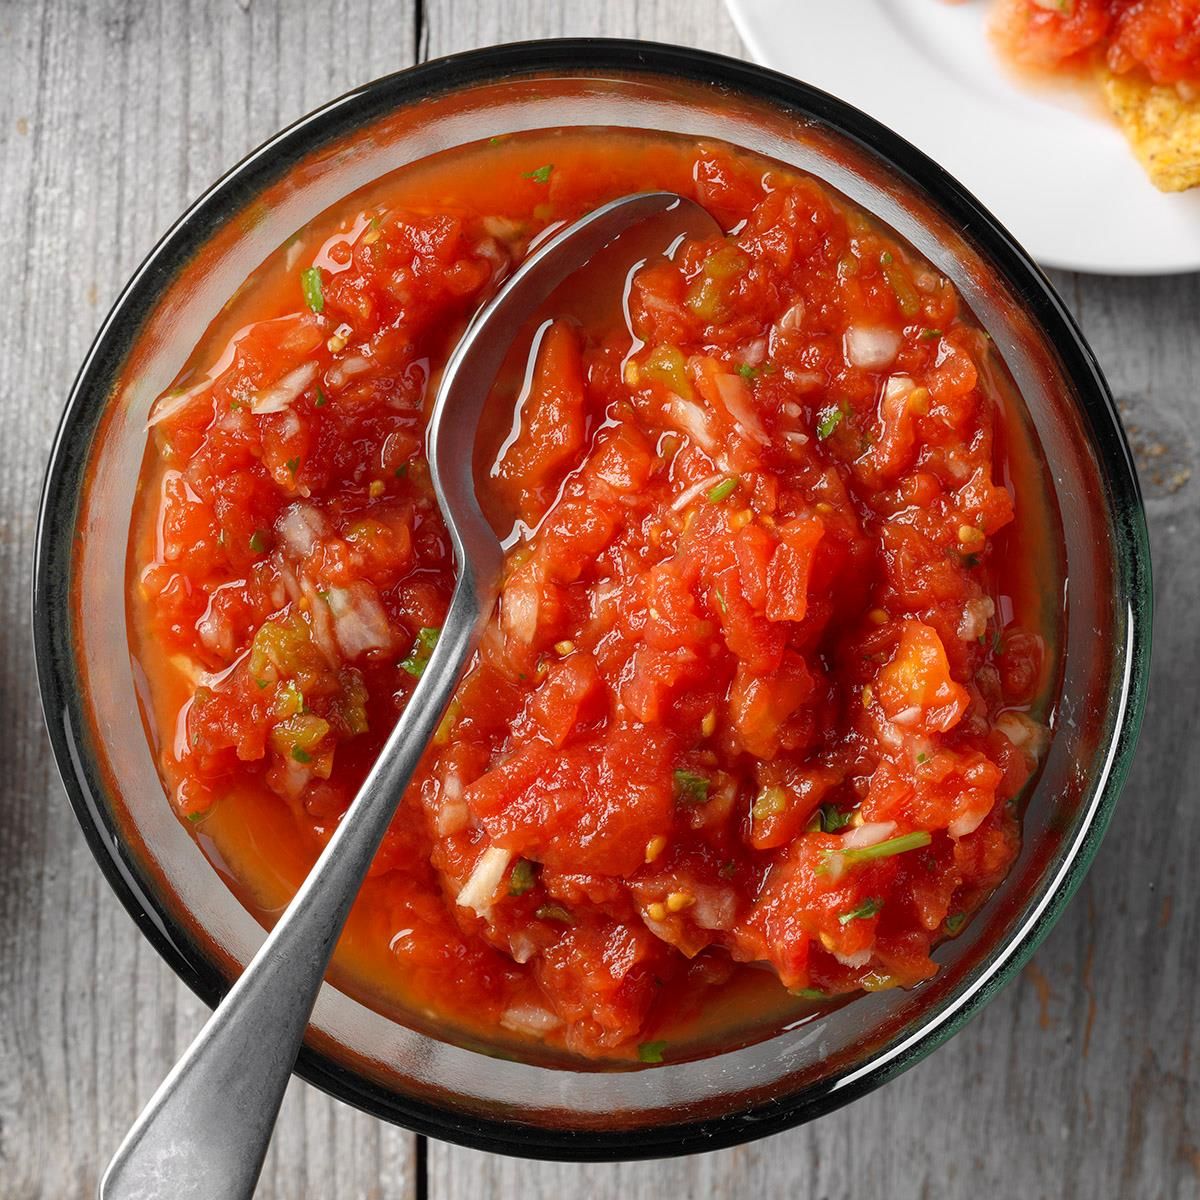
452 25
1078 1081
113 117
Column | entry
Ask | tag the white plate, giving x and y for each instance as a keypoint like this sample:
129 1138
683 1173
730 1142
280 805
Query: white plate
1048 162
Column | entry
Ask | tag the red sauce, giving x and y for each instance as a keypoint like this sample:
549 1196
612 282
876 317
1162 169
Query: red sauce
1159 38
769 670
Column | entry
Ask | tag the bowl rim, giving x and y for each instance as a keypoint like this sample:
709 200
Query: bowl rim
57 673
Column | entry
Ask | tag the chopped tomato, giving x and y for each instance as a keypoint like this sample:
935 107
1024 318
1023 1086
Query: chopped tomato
915 687
761 683
791 566
553 435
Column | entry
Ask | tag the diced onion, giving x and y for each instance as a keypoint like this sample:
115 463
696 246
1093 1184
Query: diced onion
896 388
278 593
715 908
804 381
755 352
735 395
920 750
452 814
452 818
1024 732
322 624
290 426
976 614
793 319
346 368
300 527
359 620
521 946
870 834
479 889
957 467
491 250
968 822
519 608
888 734
295 333
870 347
529 1018
695 491
907 716
505 228
293 778
166 406
854 960
215 630
280 394
288 576
690 418
653 302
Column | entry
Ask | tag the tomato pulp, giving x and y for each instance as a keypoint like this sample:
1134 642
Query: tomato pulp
770 668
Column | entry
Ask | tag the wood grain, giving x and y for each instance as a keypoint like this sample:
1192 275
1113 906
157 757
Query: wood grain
112 118
1078 1082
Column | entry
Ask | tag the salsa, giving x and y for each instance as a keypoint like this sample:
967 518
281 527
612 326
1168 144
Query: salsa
1159 39
1143 56
769 671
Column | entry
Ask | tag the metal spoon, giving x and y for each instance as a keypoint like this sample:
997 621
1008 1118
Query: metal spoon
206 1130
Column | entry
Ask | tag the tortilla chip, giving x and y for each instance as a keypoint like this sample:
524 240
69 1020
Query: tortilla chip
1162 127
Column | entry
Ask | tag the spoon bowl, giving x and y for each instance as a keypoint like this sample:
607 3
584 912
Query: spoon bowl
653 222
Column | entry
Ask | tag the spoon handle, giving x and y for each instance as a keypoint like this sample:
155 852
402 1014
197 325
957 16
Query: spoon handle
205 1132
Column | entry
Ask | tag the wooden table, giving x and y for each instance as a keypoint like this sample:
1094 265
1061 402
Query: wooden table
1078 1081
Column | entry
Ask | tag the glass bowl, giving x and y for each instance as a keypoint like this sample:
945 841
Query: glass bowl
89 690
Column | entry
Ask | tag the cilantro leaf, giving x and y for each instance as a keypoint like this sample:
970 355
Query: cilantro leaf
893 846
868 908
418 656
691 787
651 1052
523 877
830 419
723 490
808 993
314 292
832 818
